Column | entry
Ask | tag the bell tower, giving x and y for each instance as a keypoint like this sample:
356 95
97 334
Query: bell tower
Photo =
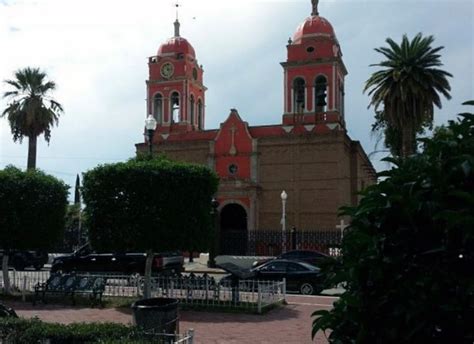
314 74
175 89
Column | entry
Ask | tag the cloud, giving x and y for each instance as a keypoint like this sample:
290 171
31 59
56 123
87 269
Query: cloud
96 52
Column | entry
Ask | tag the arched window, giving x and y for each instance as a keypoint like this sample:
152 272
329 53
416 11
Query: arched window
200 119
191 110
298 95
158 108
175 107
320 93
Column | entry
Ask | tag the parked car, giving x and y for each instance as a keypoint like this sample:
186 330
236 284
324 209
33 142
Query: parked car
86 260
300 276
308 256
21 259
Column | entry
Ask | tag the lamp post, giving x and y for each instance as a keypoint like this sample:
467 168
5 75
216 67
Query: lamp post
214 249
150 126
284 197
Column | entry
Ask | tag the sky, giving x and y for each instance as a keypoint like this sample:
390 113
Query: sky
96 52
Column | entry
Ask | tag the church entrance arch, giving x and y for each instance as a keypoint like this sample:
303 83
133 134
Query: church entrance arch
234 231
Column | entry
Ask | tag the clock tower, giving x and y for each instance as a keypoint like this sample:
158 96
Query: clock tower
175 90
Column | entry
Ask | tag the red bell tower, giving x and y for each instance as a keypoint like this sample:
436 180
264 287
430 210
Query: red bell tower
175 89
314 74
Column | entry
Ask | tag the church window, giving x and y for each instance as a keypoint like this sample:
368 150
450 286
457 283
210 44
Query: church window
191 110
200 119
298 95
320 89
175 107
309 49
158 108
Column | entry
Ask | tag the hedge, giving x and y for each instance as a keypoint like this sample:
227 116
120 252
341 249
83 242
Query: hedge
23 331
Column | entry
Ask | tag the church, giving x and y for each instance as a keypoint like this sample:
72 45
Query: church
308 153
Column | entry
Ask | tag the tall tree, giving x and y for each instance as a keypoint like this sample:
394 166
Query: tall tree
31 111
149 205
407 88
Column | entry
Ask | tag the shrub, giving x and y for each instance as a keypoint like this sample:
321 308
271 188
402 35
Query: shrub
22 331
409 252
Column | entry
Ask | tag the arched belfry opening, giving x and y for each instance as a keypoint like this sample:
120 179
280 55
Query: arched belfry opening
320 89
234 231
298 95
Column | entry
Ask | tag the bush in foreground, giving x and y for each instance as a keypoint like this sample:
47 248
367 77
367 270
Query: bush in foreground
408 255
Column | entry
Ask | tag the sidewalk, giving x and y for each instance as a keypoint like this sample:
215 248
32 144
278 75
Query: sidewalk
288 325
199 265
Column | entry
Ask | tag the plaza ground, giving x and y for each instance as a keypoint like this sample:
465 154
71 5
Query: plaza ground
290 324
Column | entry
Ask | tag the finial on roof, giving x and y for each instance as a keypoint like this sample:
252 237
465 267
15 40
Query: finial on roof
315 7
176 23
176 28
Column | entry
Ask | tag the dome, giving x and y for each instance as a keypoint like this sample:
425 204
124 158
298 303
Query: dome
176 45
314 26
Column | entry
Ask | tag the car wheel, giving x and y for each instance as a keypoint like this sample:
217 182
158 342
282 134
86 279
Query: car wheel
307 288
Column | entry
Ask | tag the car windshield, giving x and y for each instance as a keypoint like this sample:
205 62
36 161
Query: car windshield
309 266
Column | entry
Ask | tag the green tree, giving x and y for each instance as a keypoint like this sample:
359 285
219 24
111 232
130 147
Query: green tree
32 211
408 254
31 111
149 205
408 88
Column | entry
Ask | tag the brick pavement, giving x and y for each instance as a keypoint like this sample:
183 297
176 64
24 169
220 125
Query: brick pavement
288 325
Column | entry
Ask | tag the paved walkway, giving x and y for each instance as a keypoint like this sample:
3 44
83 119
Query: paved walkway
288 325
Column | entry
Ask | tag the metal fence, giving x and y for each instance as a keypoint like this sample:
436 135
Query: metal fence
207 292
191 290
266 242
164 338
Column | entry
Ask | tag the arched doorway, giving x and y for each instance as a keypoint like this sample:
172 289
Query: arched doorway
233 238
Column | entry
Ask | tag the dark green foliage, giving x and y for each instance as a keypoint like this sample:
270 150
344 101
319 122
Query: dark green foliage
407 87
32 209
31 111
408 255
149 204
75 231
21 331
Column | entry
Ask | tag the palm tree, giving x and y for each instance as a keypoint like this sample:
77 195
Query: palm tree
407 87
31 111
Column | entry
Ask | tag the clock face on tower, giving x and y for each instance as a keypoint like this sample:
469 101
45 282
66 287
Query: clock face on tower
167 70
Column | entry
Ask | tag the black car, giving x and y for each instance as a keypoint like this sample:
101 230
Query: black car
308 256
20 260
300 276
86 260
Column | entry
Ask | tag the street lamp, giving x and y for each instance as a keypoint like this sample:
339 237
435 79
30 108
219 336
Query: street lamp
214 249
150 126
284 197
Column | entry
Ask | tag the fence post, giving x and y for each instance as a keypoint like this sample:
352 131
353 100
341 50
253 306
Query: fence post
259 299
191 336
293 238
23 292
284 289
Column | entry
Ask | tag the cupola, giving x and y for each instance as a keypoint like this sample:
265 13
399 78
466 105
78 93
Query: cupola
175 86
314 74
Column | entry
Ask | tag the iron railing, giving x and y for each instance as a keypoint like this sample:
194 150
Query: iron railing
191 290
264 242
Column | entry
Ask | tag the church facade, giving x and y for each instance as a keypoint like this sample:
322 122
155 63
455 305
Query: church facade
308 154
